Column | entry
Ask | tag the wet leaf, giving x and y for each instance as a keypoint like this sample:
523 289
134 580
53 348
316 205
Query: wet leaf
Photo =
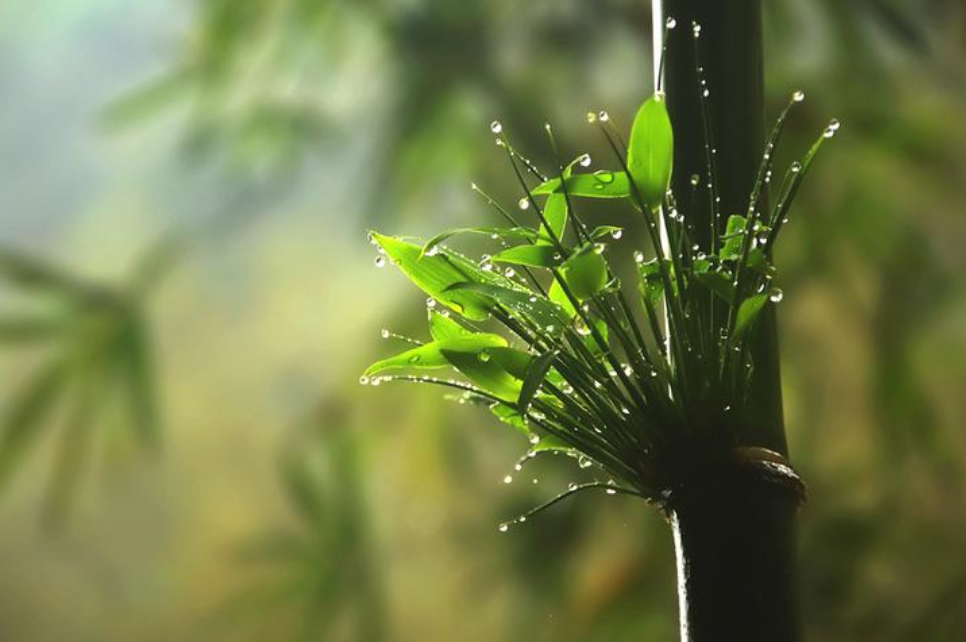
650 154
536 373
540 256
600 184
536 309
431 355
435 274
486 372
442 327
585 273
748 311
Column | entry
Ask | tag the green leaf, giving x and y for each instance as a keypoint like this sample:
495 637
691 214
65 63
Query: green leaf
434 274
536 373
585 273
538 310
558 296
719 283
136 373
649 283
442 327
486 372
510 415
733 238
555 211
431 355
504 233
759 263
24 419
541 256
600 184
650 154
748 311
604 231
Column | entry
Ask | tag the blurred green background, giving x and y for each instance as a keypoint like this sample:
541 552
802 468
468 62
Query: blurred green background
187 299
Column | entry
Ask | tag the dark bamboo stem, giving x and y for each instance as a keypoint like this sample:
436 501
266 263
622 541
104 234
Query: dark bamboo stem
734 533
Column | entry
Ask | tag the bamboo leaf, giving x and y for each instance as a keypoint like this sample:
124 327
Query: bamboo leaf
504 233
585 273
484 371
650 154
748 311
649 282
536 373
733 238
719 283
431 355
543 313
435 274
24 419
541 256
600 184
136 370
442 327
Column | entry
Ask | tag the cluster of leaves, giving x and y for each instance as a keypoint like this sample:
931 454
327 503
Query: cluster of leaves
641 385
89 347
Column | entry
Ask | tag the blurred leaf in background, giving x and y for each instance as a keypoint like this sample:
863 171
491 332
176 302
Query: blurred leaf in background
93 355
315 578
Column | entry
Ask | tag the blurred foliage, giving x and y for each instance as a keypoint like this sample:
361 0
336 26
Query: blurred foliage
91 348
315 579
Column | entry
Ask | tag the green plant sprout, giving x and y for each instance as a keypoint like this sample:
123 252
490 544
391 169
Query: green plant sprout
646 385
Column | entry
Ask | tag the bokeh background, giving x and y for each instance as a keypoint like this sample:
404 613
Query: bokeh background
187 299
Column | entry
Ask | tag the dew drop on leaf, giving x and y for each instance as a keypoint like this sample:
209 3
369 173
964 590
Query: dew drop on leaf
798 96
496 127
380 261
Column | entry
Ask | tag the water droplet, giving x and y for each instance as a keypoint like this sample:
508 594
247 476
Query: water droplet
572 486
433 251
834 124
706 93
509 272
776 296
695 180
385 333
364 380
484 356
584 462
617 234
696 29
603 116
415 358
524 203
508 479
591 117
611 491
638 257
798 96
504 528
604 177
584 160
474 187
380 261
496 127
581 327
796 167
671 23
534 439
430 303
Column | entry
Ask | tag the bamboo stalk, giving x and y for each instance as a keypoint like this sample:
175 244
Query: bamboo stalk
734 533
